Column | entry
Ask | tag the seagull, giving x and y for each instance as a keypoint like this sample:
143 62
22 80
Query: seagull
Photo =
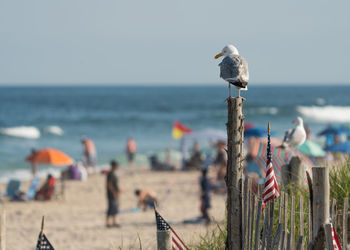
295 137
233 68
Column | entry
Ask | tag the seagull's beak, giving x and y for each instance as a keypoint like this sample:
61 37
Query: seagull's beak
218 55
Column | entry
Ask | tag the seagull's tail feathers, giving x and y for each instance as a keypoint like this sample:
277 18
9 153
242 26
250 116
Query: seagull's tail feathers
239 84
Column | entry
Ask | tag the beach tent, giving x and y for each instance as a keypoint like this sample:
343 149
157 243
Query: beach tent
312 149
210 135
280 157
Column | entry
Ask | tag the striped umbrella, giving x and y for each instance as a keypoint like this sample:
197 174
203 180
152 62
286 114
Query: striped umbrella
279 158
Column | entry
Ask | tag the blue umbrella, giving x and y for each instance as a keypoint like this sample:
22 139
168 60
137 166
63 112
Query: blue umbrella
342 147
256 132
335 130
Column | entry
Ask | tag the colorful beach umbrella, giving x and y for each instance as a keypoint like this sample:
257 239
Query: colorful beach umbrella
279 156
342 147
312 149
50 156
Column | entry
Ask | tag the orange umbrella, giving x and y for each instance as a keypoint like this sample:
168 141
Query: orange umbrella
50 156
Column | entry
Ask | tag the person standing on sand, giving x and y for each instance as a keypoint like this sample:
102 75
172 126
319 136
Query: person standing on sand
89 152
130 150
113 196
33 163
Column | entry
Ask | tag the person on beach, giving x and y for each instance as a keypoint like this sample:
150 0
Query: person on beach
113 196
130 150
205 196
147 198
89 152
47 190
30 158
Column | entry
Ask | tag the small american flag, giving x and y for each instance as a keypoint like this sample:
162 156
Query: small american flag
271 189
162 225
43 243
336 244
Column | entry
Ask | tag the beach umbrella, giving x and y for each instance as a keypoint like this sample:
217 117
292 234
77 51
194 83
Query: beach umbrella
334 130
279 156
342 147
50 156
256 132
311 148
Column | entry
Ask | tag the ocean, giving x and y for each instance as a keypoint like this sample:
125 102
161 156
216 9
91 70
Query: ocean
109 115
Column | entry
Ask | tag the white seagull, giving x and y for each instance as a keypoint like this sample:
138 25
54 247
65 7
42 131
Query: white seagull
295 137
233 68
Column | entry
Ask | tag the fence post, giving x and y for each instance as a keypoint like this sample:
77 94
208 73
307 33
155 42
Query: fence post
296 172
301 221
164 241
329 239
257 225
235 136
292 223
3 230
345 223
252 223
320 187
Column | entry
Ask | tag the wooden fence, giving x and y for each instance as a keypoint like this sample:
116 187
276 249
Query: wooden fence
286 222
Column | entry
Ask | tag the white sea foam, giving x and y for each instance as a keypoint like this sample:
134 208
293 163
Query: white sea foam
26 174
27 132
326 113
264 111
56 130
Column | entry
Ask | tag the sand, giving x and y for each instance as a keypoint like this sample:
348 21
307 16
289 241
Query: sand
78 220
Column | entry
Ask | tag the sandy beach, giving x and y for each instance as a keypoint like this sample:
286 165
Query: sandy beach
78 220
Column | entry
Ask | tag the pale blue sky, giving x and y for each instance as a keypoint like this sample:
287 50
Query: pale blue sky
160 41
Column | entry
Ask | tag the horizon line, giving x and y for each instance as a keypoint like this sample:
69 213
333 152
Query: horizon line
183 84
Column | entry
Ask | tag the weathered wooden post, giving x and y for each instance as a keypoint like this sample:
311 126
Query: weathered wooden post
164 240
3 230
235 136
320 187
296 171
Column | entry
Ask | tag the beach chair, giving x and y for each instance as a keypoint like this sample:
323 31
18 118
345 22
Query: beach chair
13 187
32 188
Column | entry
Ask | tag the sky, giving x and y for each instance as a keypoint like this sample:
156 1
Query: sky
170 42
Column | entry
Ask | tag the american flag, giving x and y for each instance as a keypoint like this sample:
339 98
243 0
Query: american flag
336 244
43 243
271 189
162 225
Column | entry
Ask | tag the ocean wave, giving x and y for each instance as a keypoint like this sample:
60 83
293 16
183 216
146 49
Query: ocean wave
326 113
263 111
27 132
56 130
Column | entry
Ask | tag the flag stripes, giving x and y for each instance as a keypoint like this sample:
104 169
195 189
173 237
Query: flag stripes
162 225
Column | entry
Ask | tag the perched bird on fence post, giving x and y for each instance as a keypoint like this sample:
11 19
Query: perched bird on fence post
295 137
233 68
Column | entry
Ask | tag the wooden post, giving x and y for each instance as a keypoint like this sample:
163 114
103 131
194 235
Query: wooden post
292 223
257 226
164 241
247 229
334 213
266 226
296 171
235 127
244 211
285 219
345 223
270 228
329 239
285 174
3 230
280 207
301 221
252 223
309 224
320 187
